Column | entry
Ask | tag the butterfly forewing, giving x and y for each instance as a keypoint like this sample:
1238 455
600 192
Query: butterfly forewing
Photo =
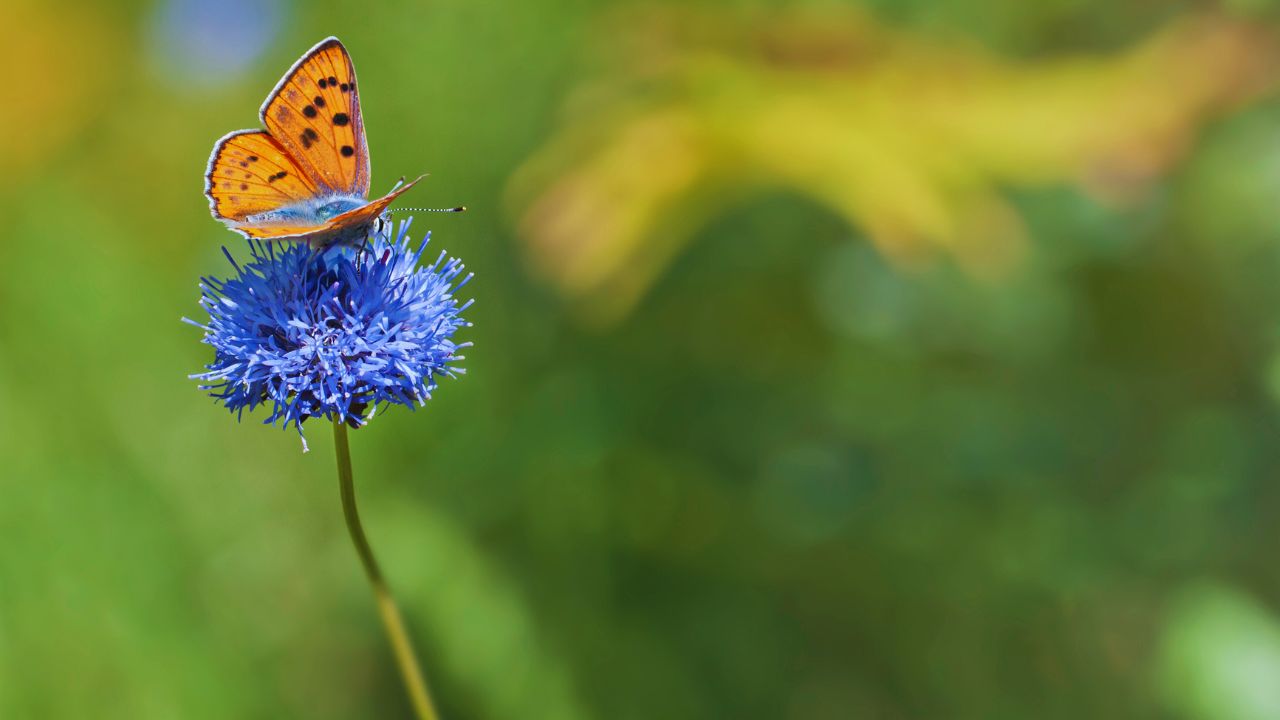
315 114
249 173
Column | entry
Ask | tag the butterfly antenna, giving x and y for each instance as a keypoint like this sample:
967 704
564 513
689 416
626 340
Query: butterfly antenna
460 208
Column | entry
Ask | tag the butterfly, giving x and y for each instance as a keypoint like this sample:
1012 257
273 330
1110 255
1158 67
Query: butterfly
306 177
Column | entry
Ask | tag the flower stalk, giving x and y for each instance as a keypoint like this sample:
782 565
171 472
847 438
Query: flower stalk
410 670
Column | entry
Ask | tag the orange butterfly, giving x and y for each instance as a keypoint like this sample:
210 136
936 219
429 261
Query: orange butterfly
306 177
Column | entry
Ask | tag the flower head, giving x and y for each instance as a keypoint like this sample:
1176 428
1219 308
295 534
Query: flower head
333 332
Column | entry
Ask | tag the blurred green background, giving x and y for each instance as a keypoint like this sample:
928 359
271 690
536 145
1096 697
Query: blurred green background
900 359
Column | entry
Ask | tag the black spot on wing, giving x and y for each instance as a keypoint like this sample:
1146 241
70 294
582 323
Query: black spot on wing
341 119
309 111
318 101
348 151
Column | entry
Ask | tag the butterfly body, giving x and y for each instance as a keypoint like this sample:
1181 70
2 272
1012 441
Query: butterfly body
317 212
306 177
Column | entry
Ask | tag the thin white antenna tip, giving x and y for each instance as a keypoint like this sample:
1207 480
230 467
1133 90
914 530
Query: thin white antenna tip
458 209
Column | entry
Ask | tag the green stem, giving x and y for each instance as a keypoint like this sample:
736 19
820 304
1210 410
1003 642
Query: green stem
410 671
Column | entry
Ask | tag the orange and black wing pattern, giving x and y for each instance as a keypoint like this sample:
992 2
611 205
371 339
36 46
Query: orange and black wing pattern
250 173
314 113
280 183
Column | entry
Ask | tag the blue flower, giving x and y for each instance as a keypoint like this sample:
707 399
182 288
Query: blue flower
332 333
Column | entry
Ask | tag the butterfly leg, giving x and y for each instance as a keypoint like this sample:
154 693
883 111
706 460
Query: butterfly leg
364 245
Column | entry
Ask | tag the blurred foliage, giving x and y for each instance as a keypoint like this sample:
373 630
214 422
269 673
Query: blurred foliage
939 377
1221 656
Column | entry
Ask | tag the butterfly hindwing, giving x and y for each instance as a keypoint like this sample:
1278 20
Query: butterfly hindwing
314 113
279 231
249 172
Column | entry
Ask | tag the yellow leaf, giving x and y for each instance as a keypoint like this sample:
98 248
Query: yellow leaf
909 138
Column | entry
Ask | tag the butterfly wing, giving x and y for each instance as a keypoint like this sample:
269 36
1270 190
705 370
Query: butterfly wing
314 148
314 113
250 172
